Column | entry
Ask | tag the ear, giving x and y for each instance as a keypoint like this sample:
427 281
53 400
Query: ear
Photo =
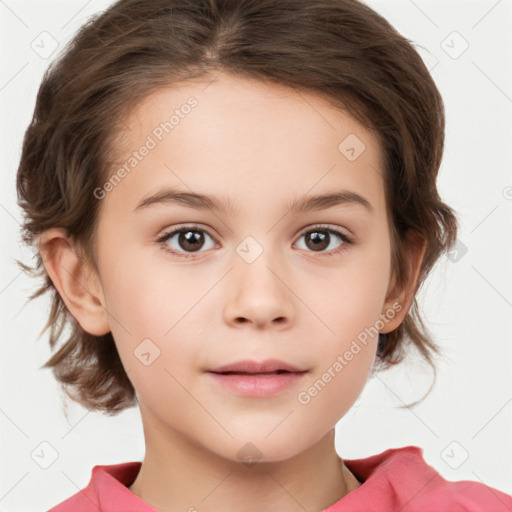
77 284
399 299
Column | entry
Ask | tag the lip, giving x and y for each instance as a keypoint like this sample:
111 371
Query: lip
257 379
257 385
250 366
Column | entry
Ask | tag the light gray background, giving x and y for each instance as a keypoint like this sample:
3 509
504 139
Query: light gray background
467 301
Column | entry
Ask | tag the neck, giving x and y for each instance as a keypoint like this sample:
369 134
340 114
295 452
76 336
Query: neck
177 475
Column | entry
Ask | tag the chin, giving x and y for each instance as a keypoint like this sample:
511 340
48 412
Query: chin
253 449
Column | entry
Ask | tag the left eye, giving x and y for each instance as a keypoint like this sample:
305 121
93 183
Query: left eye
318 239
191 240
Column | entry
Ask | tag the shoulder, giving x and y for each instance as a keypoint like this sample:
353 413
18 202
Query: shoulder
78 501
402 479
107 490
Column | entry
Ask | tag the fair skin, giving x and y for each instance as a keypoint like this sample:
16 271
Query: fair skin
261 146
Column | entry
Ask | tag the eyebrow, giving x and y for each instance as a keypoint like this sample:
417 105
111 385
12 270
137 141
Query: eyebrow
171 196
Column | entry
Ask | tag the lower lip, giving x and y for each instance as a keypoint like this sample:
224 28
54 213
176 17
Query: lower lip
257 385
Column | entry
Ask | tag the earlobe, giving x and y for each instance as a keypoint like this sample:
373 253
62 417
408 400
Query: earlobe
399 301
77 286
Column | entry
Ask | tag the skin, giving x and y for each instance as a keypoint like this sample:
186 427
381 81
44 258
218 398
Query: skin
262 146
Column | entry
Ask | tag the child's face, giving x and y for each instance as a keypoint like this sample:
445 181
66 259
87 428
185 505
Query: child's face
257 287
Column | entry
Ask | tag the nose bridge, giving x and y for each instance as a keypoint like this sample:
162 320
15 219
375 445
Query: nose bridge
255 263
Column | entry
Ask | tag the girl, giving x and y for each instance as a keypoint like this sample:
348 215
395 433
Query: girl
234 204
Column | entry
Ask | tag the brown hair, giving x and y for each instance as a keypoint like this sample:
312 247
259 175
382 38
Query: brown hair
339 49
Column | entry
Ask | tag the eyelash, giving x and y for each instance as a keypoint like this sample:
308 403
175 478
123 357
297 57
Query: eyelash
320 227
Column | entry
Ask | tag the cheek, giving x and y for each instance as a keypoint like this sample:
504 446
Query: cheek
353 296
146 291
350 307
158 310
345 352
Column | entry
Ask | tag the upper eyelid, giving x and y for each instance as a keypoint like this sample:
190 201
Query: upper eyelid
179 227
194 226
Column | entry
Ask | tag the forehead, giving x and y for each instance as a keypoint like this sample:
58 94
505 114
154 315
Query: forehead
230 134
244 103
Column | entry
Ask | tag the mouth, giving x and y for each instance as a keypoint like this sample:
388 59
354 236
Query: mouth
257 380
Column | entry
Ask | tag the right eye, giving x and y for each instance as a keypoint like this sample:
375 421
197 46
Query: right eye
190 238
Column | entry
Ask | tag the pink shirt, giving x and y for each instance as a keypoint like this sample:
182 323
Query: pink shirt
396 479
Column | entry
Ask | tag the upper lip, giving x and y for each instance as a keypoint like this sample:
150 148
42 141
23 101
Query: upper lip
249 366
